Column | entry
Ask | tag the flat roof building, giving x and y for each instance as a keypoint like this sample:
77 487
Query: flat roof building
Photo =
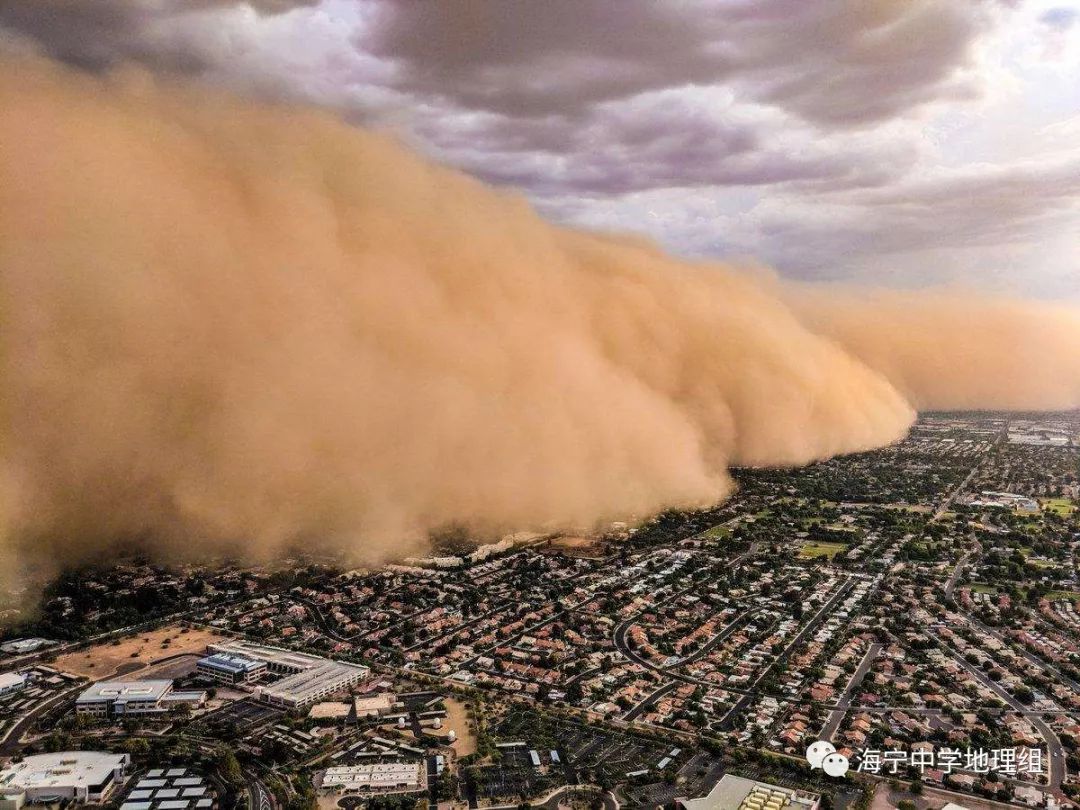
738 793
374 705
230 669
21 646
308 678
11 682
126 698
330 711
84 776
384 776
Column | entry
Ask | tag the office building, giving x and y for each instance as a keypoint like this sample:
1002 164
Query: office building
231 669
81 776
132 698
10 683
306 679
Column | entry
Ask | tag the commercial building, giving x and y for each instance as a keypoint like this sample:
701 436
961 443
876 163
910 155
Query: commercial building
330 710
1004 500
737 793
307 678
10 683
82 776
374 705
230 669
22 646
376 777
128 698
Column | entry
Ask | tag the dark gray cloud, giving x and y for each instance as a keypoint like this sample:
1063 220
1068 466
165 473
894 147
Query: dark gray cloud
835 62
792 130
831 62
657 140
525 58
97 34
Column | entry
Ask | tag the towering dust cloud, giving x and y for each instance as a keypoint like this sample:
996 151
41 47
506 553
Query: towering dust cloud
235 327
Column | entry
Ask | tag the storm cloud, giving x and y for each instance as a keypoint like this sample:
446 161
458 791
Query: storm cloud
720 127
234 327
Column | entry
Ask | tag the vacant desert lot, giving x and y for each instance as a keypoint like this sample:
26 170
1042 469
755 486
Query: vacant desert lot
457 718
573 546
132 654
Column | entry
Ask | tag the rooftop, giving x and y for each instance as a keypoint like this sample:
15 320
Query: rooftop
62 769
10 679
125 690
232 663
737 793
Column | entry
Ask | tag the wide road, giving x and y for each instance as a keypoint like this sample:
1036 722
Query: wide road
833 723
1020 648
9 745
950 586
711 644
1055 750
259 795
952 496
622 644
824 612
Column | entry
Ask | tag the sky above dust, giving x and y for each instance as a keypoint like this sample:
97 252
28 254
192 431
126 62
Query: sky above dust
889 142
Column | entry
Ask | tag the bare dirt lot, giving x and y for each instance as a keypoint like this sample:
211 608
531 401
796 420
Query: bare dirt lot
130 655
887 799
572 546
457 719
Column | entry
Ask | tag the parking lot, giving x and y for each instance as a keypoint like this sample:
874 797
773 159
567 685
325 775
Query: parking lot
514 777
37 707
245 715
608 755
695 778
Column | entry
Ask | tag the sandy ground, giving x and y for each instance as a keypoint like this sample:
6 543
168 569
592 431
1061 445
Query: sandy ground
931 799
457 718
576 546
133 654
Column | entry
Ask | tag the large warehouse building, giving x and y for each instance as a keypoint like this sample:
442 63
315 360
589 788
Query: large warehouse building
381 777
738 793
82 776
307 678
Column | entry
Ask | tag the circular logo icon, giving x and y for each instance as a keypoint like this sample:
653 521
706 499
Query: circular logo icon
818 751
835 764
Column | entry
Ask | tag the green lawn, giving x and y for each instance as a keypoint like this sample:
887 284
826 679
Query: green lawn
1056 595
717 532
1063 506
816 549
982 587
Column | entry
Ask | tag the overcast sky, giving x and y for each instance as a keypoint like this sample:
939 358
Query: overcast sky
899 142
